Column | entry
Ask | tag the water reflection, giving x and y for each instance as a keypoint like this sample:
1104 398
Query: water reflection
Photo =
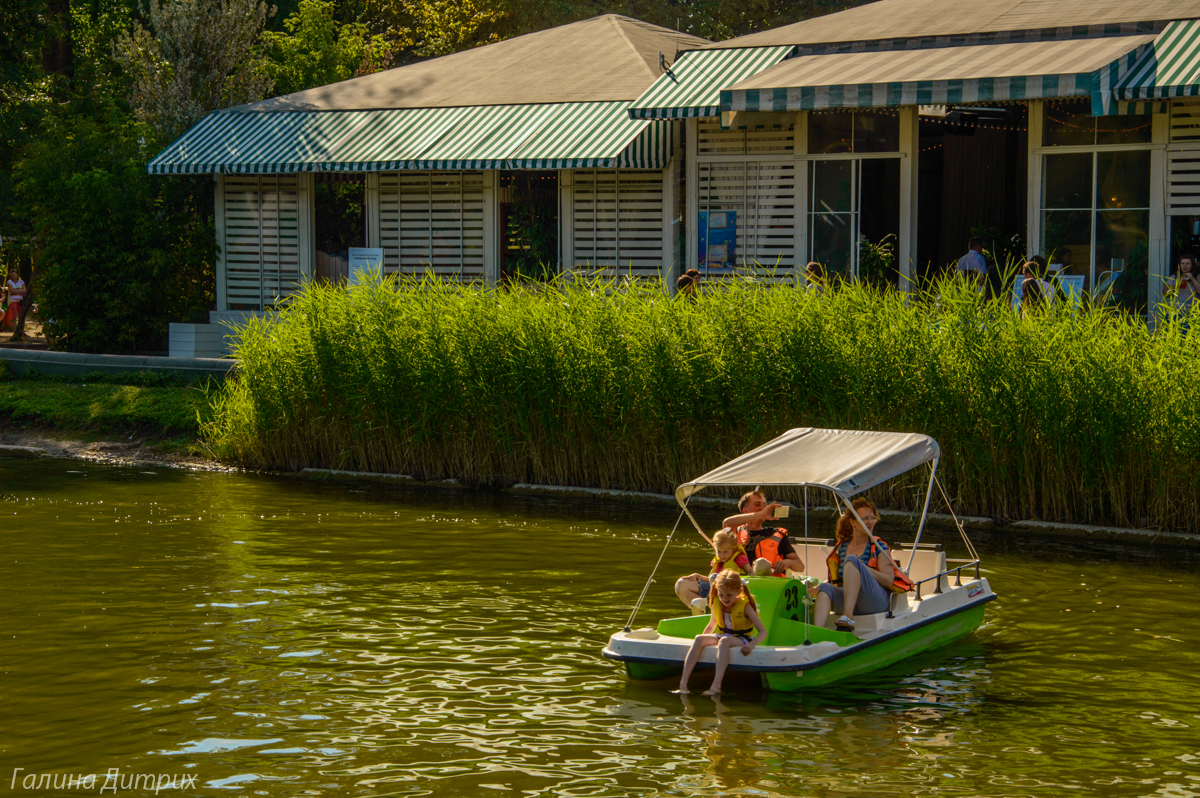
277 637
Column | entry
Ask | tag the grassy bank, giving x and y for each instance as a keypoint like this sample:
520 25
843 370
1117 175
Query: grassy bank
103 404
1070 416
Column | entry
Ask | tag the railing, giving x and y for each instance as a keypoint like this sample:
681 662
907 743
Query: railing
957 573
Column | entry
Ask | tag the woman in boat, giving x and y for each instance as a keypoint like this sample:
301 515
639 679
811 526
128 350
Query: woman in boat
767 543
862 574
734 624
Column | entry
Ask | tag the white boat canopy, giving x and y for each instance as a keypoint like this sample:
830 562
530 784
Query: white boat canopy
844 461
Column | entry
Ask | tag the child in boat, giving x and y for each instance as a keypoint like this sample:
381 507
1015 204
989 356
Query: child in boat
730 554
694 590
734 623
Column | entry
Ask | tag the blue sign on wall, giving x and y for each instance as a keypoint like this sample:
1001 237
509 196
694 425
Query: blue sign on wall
718 241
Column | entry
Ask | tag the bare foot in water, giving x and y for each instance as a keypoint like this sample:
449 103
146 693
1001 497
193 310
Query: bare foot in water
713 691
682 691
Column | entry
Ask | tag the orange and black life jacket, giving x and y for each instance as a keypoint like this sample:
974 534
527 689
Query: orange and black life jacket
900 582
766 548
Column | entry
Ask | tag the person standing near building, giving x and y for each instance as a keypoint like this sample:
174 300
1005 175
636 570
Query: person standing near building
1187 283
1035 292
974 265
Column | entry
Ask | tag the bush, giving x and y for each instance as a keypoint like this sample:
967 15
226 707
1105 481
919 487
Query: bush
1063 415
120 253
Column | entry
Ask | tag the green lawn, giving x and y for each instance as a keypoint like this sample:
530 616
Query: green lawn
157 411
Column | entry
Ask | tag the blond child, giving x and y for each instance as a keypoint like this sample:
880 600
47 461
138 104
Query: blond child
734 623
694 590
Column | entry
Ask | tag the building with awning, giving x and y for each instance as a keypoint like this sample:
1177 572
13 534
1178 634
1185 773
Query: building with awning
509 161
1064 129
875 141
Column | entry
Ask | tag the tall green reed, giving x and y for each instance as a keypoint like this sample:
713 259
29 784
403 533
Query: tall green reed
1068 414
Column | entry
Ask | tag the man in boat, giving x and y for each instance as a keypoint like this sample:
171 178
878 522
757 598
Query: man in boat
763 542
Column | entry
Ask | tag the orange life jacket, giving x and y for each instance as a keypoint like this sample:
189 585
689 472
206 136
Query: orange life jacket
900 582
767 548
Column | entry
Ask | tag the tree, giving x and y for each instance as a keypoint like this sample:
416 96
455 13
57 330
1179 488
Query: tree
120 253
317 50
200 56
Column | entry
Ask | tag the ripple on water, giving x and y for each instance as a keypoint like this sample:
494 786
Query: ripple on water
270 654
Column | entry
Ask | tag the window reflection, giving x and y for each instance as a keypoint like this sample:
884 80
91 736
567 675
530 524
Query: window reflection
853 131
829 133
1069 123
1096 221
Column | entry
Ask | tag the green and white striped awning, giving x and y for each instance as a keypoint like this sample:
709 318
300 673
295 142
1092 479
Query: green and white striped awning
692 86
940 76
1169 67
551 136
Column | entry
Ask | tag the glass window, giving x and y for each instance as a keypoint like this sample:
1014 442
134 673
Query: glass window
1096 222
1067 241
854 217
832 182
829 133
1122 255
1067 181
1123 179
832 222
1070 123
853 131
876 132
1123 129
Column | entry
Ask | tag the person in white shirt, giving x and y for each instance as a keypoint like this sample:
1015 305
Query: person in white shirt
15 288
974 265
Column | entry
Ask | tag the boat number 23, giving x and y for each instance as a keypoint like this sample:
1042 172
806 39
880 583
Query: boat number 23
792 597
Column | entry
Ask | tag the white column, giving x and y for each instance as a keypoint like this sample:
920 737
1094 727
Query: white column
371 210
566 220
670 218
491 228
692 188
1033 183
800 149
1160 224
219 203
910 145
306 225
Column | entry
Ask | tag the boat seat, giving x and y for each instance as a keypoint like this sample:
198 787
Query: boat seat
870 622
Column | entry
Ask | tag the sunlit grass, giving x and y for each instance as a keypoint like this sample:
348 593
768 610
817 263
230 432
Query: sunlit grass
1081 415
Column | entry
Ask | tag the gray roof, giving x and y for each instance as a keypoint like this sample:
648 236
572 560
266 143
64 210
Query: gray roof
847 461
605 58
893 19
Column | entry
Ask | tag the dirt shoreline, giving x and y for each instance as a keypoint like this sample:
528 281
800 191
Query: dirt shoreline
134 450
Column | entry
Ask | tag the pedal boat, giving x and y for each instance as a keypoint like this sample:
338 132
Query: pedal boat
946 603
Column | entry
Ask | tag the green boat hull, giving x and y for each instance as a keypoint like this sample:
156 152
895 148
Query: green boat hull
880 655
780 605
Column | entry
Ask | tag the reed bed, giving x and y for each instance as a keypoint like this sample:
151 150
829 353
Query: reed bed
1078 415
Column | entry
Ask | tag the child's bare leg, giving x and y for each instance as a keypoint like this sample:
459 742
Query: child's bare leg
693 656
723 648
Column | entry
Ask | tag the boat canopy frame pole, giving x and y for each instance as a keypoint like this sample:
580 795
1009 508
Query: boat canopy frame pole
696 523
646 588
924 515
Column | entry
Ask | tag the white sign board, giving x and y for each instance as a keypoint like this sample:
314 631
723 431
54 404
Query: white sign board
365 263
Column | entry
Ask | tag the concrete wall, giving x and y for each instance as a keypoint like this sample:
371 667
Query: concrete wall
20 360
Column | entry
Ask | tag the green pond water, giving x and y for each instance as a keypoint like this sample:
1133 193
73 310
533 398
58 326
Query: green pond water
277 637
